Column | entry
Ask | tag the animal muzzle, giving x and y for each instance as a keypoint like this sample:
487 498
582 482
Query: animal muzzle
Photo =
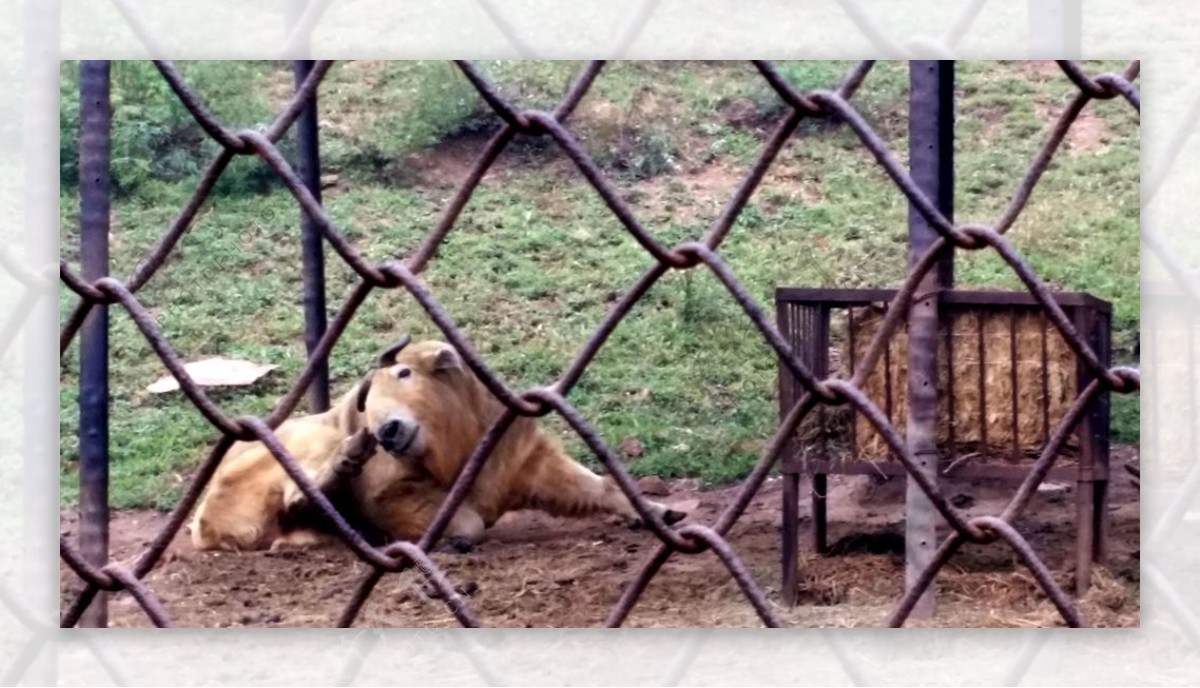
397 435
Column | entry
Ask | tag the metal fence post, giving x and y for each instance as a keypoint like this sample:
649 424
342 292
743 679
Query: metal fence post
931 159
95 117
308 167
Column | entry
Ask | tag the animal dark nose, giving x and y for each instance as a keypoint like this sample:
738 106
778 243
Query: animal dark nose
396 434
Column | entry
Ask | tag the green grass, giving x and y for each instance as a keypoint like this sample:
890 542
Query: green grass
537 259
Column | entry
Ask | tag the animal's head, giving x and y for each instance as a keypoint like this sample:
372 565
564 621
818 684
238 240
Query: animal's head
419 399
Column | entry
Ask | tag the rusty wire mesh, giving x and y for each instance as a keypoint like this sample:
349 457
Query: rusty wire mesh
688 538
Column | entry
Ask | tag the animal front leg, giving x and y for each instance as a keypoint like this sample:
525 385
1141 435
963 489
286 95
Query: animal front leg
334 477
619 504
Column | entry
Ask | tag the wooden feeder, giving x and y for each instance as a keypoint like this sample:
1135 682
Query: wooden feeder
1006 379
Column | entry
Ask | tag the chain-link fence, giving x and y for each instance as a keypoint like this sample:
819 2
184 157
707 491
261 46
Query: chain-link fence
684 539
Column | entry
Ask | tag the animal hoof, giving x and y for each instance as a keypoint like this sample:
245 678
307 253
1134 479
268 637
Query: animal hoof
360 446
457 545
671 516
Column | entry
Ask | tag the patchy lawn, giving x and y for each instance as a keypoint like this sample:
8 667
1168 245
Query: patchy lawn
537 259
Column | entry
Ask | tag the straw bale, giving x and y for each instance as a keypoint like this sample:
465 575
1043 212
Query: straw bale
982 343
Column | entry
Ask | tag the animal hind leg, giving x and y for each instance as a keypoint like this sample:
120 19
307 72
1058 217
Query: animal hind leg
406 509
563 487
466 527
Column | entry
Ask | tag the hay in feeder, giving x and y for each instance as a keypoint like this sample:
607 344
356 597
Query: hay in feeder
980 348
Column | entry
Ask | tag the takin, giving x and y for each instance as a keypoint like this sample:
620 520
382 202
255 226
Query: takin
424 406
386 455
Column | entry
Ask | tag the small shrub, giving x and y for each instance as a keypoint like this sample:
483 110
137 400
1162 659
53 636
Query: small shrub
154 137
443 104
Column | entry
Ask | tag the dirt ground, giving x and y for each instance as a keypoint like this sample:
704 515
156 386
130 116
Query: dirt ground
537 571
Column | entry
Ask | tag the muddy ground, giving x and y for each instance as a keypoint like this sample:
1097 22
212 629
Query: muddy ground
537 571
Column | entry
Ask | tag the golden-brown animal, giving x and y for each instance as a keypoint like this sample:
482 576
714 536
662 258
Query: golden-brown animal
248 504
387 452
251 502
424 404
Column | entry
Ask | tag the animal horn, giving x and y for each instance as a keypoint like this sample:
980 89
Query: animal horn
364 388
388 357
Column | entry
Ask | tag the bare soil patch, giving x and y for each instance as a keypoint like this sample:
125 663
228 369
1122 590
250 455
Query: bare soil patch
537 571
1089 133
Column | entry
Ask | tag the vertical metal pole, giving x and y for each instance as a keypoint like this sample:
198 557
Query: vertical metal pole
790 530
1056 29
1085 502
818 350
40 477
1102 418
791 535
308 167
931 159
1091 497
820 510
95 117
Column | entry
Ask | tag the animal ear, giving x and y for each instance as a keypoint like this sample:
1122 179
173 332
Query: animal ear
388 358
364 388
446 359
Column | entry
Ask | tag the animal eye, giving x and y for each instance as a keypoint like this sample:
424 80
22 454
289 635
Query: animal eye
403 373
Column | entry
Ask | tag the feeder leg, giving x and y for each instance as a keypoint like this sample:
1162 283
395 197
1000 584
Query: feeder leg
1085 522
791 535
820 489
1100 519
